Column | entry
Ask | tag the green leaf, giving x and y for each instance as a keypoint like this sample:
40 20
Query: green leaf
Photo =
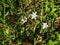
0 14
57 43
1 32
44 18
58 36
37 22
1 8
6 14
55 15
20 23
50 42
53 10
47 9
5 5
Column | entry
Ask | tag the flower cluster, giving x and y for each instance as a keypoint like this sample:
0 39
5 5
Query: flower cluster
33 16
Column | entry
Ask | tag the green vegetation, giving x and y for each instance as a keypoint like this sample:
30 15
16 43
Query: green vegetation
29 22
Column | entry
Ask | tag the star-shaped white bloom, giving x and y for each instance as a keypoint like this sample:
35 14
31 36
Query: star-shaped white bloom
24 19
45 25
33 15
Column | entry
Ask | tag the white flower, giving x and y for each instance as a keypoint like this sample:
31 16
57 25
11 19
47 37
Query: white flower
24 19
45 25
33 15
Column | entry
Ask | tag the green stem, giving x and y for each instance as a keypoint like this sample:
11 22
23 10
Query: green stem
52 24
4 12
41 14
